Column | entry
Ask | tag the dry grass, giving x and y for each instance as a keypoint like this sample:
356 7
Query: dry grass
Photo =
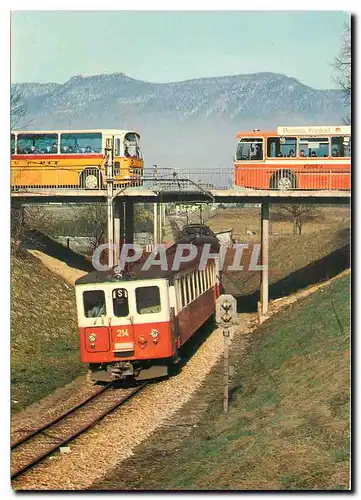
288 425
44 341
295 262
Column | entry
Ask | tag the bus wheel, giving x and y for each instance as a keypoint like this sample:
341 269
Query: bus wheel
283 180
89 179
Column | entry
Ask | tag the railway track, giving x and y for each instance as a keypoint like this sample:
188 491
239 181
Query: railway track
34 447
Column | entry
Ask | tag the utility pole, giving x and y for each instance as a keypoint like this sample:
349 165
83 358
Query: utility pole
155 223
110 213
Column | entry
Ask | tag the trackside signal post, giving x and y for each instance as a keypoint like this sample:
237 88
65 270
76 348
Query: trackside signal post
226 316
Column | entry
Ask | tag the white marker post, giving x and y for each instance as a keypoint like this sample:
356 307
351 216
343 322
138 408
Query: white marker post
226 316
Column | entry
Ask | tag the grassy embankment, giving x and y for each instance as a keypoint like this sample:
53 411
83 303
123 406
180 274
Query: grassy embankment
295 262
44 340
288 424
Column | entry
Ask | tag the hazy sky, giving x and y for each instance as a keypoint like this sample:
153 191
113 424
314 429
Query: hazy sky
52 46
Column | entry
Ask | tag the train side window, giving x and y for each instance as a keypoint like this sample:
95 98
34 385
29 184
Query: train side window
181 293
186 288
195 285
148 299
281 147
206 277
341 146
196 281
94 303
191 288
120 302
199 282
12 144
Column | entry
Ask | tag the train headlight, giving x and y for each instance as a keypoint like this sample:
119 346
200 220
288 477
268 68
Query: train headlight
155 336
92 337
142 342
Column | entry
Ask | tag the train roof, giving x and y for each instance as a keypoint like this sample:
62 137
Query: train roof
134 271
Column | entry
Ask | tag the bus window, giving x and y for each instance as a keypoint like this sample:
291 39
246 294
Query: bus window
250 149
281 147
37 143
12 144
83 143
120 302
148 299
313 147
341 146
94 304
131 145
117 147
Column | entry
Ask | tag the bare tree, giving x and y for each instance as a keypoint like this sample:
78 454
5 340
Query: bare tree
299 214
91 221
17 107
24 219
342 64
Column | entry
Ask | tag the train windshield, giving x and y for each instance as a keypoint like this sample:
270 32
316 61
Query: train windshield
94 304
120 302
148 299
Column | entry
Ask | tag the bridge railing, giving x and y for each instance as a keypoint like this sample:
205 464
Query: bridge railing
180 179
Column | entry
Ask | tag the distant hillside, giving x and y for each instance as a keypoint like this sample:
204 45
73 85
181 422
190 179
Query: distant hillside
190 123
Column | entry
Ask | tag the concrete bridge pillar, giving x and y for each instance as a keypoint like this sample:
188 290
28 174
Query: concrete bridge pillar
264 257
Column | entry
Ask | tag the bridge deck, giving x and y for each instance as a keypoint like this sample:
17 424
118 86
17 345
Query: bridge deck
216 195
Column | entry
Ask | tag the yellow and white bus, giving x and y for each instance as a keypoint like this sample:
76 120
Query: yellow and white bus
74 158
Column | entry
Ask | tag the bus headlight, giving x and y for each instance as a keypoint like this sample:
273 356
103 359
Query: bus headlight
92 337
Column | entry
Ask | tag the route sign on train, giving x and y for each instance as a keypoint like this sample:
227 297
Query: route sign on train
226 311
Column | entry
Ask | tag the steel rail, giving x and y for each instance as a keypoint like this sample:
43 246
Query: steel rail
73 436
39 430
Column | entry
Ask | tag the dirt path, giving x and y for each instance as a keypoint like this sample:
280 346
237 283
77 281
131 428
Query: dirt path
69 274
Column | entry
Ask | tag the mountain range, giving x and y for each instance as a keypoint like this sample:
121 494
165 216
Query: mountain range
191 123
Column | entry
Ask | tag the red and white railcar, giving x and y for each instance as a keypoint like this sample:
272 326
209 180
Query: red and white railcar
135 323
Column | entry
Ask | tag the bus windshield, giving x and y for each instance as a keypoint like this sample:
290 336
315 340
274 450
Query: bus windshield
250 149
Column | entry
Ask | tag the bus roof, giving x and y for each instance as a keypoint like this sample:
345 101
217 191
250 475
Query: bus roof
107 131
303 130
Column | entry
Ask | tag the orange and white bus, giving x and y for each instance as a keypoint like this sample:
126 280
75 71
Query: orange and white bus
303 157
74 158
